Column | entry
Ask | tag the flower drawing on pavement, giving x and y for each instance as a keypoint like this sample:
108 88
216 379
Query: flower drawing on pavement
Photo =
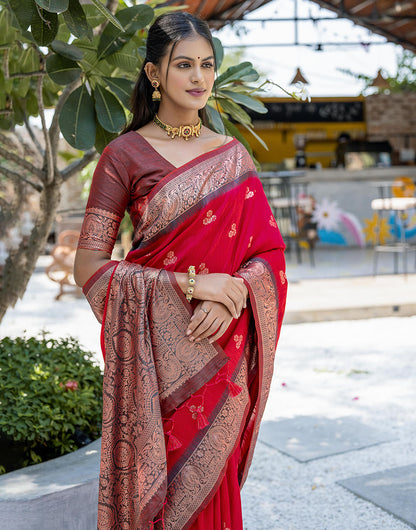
327 214
376 230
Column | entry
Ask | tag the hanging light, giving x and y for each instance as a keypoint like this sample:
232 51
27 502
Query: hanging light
379 81
299 77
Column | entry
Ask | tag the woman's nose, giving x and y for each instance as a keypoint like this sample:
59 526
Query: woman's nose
197 74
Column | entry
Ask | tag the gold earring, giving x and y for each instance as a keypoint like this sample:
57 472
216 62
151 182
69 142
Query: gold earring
156 96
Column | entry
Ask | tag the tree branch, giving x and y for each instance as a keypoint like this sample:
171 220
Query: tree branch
13 157
78 165
6 63
17 176
33 136
48 148
54 128
26 74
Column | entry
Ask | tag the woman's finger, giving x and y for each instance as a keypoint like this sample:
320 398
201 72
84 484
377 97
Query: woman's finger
223 328
212 328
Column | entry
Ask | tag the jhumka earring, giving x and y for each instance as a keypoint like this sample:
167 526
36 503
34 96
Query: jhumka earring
156 96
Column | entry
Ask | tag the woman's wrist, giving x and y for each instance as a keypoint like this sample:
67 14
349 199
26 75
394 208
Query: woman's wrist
182 279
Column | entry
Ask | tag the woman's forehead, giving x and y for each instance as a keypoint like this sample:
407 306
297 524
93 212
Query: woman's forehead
193 47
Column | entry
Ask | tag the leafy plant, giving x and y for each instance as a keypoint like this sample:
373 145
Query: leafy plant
50 399
81 60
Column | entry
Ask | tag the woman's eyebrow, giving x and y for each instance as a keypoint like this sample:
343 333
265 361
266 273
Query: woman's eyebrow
190 58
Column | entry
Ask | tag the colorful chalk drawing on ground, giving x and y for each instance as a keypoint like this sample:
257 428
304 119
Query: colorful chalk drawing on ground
335 226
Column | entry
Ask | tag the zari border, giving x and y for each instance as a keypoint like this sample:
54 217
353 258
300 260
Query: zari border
264 300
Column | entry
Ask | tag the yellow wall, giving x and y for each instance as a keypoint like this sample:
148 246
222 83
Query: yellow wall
321 137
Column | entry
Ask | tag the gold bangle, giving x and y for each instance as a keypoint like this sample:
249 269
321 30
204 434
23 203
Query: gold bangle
191 283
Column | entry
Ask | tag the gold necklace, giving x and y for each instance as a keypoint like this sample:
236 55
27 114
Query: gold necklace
183 131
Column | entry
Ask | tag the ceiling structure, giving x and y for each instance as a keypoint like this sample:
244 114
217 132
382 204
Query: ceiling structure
219 12
393 19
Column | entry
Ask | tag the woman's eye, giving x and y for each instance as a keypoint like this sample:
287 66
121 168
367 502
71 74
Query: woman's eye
208 65
183 65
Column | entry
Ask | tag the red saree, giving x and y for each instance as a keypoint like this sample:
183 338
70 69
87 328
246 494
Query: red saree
180 419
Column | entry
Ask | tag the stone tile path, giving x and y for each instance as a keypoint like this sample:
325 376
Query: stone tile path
306 438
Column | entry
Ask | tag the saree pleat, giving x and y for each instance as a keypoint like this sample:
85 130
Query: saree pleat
180 419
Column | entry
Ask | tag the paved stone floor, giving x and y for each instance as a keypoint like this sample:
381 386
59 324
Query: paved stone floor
358 369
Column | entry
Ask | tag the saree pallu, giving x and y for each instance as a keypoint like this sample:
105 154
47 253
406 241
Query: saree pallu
176 414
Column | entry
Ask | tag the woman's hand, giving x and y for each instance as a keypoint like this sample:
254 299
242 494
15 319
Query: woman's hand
223 288
210 319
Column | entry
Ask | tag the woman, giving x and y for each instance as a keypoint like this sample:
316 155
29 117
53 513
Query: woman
191 317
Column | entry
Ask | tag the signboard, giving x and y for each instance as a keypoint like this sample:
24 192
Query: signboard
322 111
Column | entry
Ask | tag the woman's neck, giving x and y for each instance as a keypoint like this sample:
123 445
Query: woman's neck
175 119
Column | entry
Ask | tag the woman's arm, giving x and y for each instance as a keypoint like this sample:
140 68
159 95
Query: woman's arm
217 287
87 262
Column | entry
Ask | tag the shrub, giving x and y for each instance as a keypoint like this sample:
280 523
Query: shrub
50 399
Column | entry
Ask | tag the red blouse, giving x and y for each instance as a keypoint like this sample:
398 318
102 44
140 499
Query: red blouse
127 170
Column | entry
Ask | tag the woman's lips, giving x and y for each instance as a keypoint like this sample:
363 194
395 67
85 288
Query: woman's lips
196 92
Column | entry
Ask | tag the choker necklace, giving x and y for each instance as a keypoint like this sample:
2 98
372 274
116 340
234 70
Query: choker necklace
183 131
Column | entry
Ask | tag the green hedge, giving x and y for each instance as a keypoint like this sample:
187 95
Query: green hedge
50 399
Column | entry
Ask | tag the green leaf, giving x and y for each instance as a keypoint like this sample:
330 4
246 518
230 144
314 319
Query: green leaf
108 15
77 119
132 19
234 131
7 31
62 70
67 50
215 118
256 136
44 29
94 17
53 6
21 86
247 101
219 52
103 138
250 76
126 59
110 113
234 73
235 111
122 88
76 20
30 61
23 11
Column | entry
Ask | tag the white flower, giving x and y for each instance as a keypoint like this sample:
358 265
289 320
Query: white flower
327 214
301 92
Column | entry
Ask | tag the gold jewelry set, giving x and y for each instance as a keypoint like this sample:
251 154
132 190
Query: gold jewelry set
191 286
191 283
183 131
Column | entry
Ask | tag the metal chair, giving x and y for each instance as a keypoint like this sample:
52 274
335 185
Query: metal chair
289 200
399 208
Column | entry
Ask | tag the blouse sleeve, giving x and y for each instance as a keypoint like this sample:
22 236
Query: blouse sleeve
107 202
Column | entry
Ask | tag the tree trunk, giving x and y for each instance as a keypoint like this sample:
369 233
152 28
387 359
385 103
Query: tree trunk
20 265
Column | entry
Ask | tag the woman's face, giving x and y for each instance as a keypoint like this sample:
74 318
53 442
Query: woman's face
186 82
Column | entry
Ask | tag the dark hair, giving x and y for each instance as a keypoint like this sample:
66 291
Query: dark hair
165 30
